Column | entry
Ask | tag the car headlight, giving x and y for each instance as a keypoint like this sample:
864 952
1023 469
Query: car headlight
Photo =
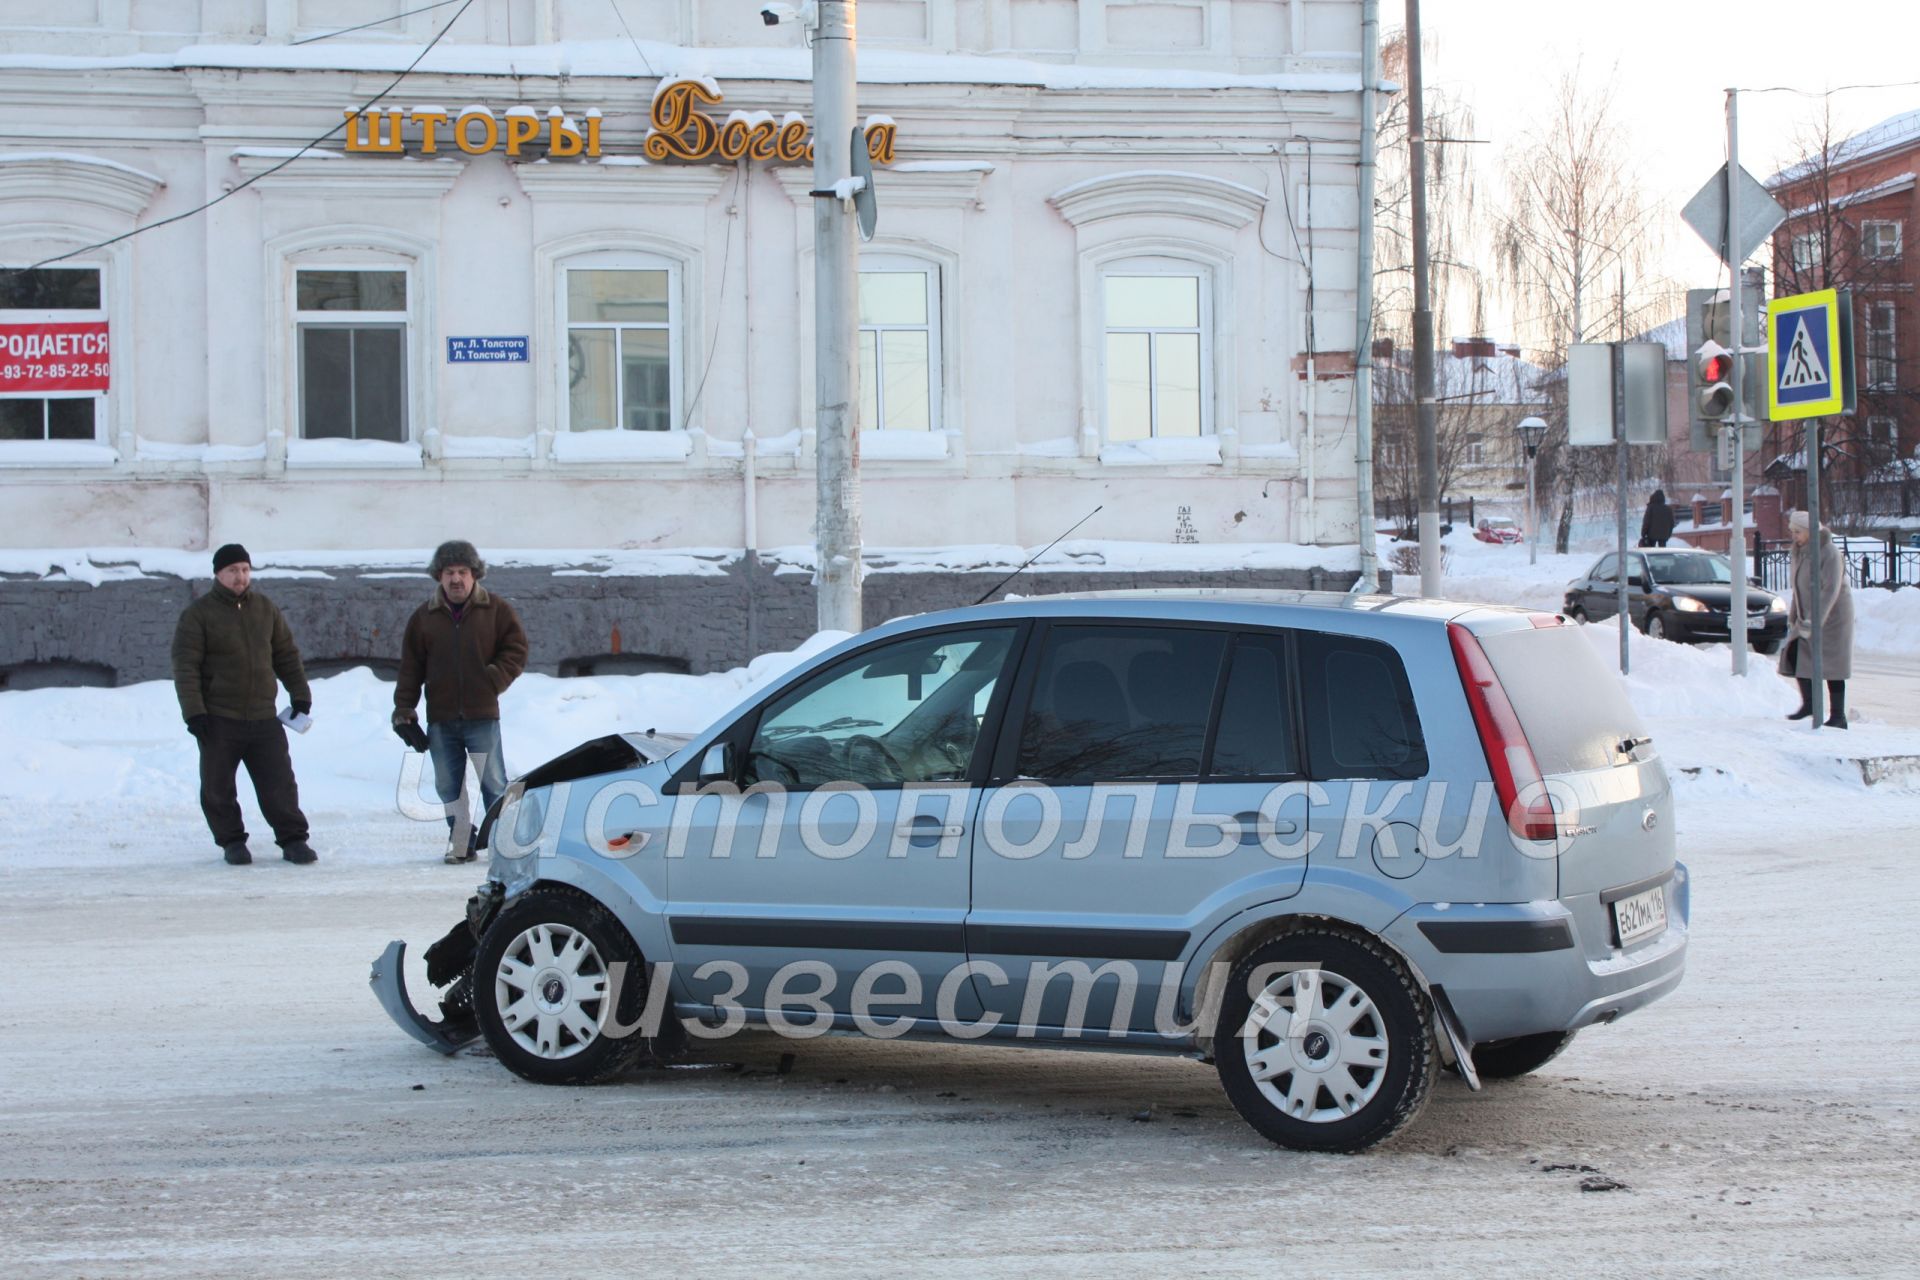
1687 604
1777 605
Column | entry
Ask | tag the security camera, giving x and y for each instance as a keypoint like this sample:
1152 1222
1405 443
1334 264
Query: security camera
775 14
770 17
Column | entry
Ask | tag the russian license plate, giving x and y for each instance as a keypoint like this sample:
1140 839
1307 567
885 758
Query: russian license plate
1641 916
1756 622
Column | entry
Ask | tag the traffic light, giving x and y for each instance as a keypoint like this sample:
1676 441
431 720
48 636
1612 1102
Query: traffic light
1710 366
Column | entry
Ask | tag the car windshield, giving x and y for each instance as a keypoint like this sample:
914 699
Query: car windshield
1688 567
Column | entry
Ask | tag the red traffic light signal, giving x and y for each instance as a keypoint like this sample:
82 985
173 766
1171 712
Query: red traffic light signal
1717 367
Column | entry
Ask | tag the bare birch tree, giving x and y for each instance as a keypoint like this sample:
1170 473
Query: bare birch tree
1576 224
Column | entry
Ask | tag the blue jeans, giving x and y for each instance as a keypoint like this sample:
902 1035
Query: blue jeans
451 742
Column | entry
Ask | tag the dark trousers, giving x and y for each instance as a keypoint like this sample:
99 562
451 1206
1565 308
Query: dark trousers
261 745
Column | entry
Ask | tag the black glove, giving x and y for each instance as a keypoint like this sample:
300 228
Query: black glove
302 708
197 725
411 734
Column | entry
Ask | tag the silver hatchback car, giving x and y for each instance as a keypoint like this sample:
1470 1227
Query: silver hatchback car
1330 845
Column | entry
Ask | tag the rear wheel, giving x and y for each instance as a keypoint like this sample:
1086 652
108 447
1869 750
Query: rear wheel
1506 1059
1323 1042
542 979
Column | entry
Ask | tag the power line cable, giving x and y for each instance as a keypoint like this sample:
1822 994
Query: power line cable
644 60
377 22
267 172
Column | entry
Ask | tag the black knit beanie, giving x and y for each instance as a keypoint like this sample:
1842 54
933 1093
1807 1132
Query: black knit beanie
232 553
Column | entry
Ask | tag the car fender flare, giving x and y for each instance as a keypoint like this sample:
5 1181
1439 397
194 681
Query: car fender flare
1330 895
644 921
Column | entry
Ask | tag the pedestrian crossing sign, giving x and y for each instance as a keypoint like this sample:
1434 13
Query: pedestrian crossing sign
1809 355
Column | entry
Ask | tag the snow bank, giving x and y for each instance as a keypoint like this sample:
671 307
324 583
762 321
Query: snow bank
1886 621
113 755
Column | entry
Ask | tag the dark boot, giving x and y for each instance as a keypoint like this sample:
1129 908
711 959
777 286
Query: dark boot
238 855
298 852
1837 700
1806 700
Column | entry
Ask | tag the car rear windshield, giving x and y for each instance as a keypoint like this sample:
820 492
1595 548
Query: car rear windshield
1571 704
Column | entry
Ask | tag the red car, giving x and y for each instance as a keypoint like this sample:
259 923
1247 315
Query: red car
1497 529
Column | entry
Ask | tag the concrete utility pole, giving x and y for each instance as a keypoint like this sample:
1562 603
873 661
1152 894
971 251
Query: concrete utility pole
1369 579
1429 451
836 323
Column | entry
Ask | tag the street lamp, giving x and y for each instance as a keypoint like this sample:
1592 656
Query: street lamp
1532 430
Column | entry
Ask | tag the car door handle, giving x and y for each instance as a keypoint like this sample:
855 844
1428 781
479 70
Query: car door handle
1254 827
926 830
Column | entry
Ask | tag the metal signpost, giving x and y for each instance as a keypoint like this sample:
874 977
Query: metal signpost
1735 214
1617 395
1810 375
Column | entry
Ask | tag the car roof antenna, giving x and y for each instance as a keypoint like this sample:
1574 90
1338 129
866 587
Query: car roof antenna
1042 551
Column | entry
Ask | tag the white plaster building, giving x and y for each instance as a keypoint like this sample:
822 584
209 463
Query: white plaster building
1099 238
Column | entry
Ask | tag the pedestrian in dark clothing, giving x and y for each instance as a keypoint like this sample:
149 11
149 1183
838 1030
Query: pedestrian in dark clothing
1836 621
1656 526
465 646
231 651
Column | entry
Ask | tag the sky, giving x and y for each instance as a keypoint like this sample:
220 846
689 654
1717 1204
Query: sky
1672 61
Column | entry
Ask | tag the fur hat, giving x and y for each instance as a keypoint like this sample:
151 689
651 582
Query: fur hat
448 554
1798 521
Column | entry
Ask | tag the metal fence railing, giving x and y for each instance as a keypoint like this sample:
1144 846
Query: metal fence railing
1870 563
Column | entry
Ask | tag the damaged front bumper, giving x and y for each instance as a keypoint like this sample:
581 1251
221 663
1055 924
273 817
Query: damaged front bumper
449 969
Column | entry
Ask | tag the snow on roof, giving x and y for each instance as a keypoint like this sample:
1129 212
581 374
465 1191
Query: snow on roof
1893 132
1506 380
1672 335
669 62
1903 182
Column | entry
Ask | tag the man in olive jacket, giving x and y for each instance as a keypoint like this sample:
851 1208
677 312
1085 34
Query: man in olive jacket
465 645
231 650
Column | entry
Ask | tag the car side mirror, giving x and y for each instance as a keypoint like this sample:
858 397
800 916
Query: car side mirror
1637 581
717 764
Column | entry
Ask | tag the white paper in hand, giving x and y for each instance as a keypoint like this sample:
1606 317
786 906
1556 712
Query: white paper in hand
299 723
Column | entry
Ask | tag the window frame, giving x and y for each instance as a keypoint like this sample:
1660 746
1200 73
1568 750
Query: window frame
1807 250
674 327
1889 363
1168 265
406 320
908 264
1006 750
741 733
1876 227
1883 429
56 315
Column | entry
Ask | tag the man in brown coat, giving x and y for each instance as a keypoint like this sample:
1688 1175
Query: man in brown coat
465 645
230 651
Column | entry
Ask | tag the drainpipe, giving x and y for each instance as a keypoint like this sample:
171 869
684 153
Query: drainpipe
1369 578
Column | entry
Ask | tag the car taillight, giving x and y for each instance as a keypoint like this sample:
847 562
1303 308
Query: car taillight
1509 755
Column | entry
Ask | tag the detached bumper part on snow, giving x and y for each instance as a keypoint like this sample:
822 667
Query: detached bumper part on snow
390 988
449 968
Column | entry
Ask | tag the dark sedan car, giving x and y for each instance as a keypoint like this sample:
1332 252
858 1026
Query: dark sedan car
1677 595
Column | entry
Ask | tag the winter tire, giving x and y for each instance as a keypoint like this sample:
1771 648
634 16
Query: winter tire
1353 1070
1766 648
1656 627
541 980
1508 1059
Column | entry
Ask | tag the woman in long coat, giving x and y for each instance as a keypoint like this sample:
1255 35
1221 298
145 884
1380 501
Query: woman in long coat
1836 622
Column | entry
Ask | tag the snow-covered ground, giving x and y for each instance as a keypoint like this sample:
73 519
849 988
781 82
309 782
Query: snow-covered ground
194 1079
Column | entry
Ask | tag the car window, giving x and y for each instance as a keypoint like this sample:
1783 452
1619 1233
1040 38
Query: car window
1689 568
1358 706
1112 702
906 712
1255 735
1603 572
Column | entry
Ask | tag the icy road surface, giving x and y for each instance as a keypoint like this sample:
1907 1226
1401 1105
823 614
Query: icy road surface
195 1081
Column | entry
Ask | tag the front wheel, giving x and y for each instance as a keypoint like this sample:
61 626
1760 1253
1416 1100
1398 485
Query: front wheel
542 978
1507 1059
1323 1042
1657 627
